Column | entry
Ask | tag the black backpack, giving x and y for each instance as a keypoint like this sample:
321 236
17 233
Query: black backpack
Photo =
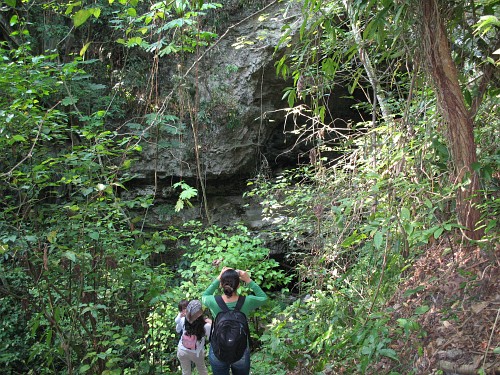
230 333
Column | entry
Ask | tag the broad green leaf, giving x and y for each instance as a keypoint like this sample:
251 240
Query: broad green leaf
322 110
390 353
491 225
428 203
410 292
18 138
188 193
70 255
355 237
96 12
422 310
31 238
175 23
85 368
84 49
69 100
12 238
136 41
205 6
51 237
291 98
13 20
408 227
87 191
405 213
438 232
94 235
467 97
179 205
81 17
377 240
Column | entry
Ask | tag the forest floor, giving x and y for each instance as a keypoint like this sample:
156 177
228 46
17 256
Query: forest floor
453 293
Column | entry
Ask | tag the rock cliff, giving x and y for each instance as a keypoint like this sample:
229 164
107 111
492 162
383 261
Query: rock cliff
241 120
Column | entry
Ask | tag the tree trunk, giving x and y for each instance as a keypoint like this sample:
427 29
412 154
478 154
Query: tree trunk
459 125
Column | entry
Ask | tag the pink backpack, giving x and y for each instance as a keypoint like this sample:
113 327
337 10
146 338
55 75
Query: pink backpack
189 341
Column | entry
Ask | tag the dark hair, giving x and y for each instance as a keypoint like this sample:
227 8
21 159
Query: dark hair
196 328
183 304
230 281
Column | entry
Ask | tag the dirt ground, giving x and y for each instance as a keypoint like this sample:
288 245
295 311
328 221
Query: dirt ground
454 294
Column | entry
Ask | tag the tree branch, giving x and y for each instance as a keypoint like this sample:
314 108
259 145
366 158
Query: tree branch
485 79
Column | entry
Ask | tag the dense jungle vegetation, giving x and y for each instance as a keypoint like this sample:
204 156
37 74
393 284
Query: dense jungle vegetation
83 289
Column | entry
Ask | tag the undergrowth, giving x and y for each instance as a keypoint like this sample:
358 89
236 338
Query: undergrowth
353 237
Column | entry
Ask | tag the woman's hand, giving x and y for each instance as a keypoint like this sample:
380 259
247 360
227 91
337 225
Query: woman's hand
244 276
224 269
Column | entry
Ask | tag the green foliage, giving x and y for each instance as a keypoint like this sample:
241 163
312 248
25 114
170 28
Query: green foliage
166 27
14 332
187 193
210 249
162 340
81 290
329 328
69 241
354 224
333 328
352 237
262 363
73 266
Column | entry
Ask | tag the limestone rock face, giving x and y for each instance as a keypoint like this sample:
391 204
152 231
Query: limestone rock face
239 110
240 122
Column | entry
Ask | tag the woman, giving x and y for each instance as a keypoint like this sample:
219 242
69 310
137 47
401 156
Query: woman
229 281
195 328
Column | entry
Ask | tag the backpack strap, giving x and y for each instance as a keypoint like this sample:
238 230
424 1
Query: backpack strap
223 306
221 303
239 304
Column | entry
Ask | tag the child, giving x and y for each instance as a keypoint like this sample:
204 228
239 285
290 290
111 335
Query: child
191 348
179 322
